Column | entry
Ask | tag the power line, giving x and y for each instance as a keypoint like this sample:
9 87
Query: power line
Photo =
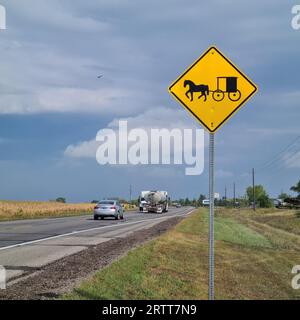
285 160
276 157
270 162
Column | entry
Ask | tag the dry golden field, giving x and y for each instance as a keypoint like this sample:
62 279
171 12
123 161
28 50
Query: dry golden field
13 210
129 207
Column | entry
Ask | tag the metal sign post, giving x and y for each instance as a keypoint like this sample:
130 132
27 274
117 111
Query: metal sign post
211 217
212 89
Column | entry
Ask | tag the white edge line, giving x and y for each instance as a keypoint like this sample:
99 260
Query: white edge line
87 230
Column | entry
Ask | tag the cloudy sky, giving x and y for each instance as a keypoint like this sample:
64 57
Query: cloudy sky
52 105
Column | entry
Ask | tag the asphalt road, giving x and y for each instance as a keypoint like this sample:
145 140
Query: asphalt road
27 245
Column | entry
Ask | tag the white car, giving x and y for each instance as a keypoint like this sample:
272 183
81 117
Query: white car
108 208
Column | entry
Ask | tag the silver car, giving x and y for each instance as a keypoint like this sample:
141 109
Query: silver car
108 208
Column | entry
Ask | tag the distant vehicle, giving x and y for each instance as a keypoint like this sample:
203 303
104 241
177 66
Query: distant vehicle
237 204
287 203
278 203
205 202
108 208
154 201
143 202
292 203
175 204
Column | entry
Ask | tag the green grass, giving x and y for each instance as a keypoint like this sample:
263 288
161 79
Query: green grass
249 265
231 231
161 269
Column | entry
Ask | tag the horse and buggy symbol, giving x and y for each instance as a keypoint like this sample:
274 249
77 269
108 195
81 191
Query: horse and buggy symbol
230 89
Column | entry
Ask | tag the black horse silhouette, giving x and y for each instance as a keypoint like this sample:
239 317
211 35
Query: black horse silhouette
204 89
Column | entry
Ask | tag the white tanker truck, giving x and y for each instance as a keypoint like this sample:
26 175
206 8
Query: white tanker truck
154 201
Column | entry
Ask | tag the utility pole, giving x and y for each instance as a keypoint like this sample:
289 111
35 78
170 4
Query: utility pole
234 194
253 189
130 193
225 197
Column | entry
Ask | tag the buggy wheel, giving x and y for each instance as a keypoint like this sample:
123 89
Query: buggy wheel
234 96
218 95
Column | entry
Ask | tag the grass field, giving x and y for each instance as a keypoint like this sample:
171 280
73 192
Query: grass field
255 254
14 210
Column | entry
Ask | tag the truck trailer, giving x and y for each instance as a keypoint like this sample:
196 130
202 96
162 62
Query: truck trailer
154 201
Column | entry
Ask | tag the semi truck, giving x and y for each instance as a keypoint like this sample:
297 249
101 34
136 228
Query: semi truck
154 201
142 201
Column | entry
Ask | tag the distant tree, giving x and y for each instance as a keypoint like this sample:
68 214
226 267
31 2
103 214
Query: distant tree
94 201
242 202
135 202
283 196
219 202
194 203
181 201
296 189
261 197
187 202
200 200
61 200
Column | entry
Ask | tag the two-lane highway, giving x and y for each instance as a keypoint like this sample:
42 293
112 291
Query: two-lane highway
30 244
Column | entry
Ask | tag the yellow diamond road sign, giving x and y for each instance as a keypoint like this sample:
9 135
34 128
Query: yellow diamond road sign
212 89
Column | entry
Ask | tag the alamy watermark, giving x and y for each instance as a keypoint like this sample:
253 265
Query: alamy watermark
155 146
296 279
2 278
296 17
2 17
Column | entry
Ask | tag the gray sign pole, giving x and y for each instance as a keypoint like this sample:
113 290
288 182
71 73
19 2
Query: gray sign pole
211 293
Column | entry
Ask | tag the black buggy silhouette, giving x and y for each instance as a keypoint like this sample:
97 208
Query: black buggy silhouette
231 89
218 95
